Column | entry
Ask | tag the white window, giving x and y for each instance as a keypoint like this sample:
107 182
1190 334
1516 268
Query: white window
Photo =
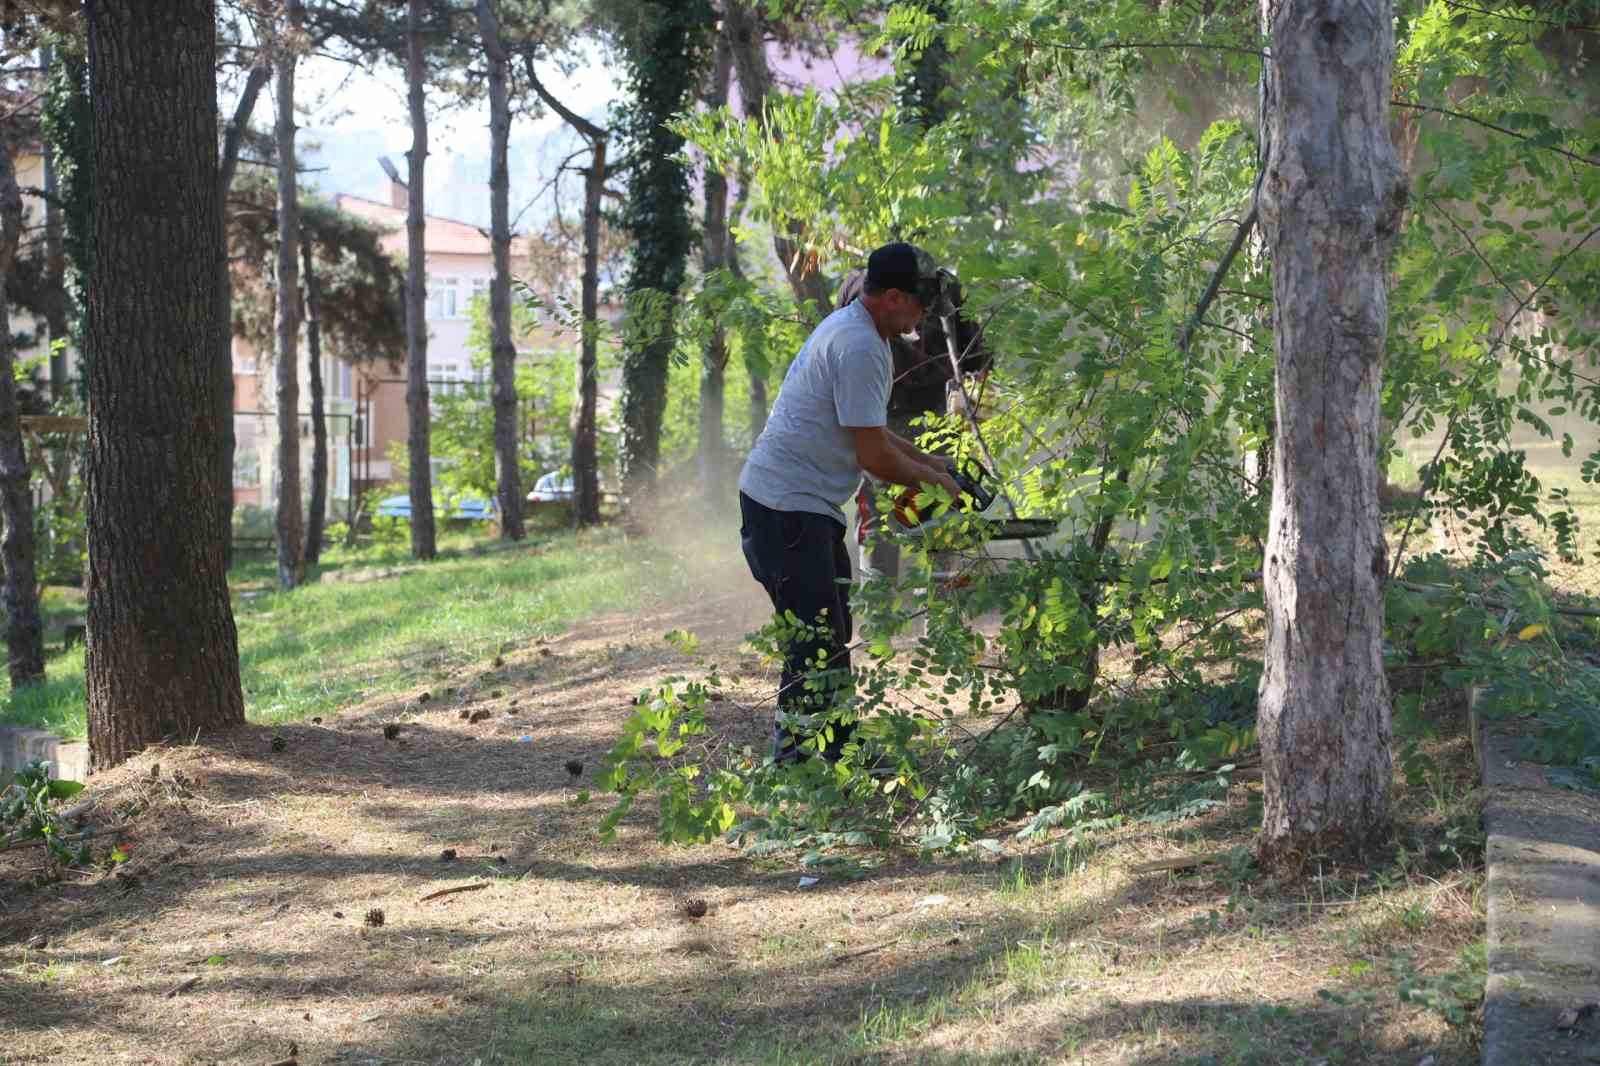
443 297
480 287
443 378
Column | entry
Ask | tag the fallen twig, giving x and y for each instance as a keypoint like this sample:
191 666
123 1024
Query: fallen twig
865 951
453 890
1182 862
30 842
184 986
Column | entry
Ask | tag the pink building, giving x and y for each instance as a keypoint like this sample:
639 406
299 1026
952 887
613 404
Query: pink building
367 404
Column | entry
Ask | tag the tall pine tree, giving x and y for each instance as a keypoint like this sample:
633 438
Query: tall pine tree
163 656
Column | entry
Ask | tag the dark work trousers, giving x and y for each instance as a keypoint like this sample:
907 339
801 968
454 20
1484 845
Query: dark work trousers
800 559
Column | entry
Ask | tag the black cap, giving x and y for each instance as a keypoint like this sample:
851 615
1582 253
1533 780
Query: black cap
895 266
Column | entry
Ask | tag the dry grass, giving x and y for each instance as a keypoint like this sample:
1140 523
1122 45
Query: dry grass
254 871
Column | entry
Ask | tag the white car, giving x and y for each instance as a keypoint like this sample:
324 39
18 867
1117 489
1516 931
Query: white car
552 490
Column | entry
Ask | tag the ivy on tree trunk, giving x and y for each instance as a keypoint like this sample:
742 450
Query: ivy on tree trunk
664 71
163 657
1330 203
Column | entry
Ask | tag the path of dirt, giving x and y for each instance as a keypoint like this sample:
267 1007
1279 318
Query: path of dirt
239 929
254 870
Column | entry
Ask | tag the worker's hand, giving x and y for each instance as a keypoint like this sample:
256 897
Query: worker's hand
949 484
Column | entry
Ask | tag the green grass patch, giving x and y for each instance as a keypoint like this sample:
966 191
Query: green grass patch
325 645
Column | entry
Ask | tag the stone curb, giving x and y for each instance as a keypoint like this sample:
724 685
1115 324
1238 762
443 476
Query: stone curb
1542 857
20 745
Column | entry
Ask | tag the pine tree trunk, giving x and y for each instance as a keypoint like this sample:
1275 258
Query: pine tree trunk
24 631
317 512
502 351
290 523
1330 206
585 412
55 262
61 458
232 138
713 256
419 448
585 450
163 658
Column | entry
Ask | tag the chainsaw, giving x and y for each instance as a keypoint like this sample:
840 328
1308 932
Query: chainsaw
969 476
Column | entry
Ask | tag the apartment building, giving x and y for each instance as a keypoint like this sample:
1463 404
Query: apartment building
367 403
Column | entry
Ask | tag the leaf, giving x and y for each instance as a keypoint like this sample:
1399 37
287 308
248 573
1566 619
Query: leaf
1528 632
65 789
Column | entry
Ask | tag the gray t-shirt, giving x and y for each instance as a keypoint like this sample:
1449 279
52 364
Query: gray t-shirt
805 459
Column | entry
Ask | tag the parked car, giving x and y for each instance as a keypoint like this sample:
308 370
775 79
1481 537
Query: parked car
466 508
554 489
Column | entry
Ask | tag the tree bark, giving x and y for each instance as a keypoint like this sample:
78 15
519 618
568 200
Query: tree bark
502 350
232 137
585 412
317 512
714 256
60 459
163 657
585 417
418 449
20 594
744 29
1330 206
55 263
290 524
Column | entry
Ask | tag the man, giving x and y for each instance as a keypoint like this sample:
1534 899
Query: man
923 379
828 426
